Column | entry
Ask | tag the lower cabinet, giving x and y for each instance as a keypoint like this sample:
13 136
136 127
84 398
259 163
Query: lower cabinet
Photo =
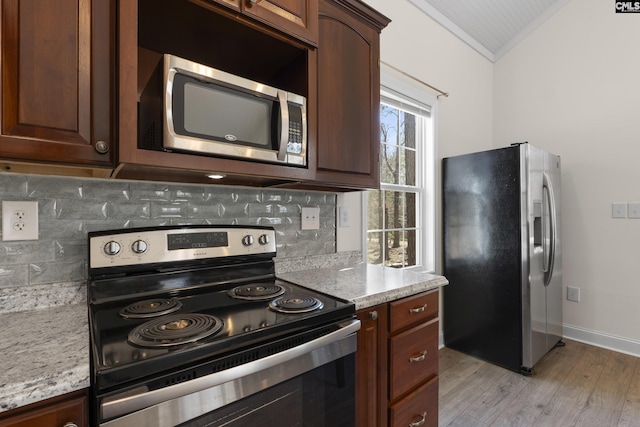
397 371
68 410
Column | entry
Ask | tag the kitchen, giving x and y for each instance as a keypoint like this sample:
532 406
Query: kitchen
579 91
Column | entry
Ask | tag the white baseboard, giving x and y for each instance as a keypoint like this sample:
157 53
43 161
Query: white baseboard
599 339
586 336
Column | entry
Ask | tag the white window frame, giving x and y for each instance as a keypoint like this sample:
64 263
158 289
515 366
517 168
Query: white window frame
403 91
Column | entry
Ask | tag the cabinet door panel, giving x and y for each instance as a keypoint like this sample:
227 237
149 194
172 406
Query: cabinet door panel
420 405
56 85
413 357
296 17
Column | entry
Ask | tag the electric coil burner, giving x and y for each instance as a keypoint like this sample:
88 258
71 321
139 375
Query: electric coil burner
190 326
174 330
257 292
150 308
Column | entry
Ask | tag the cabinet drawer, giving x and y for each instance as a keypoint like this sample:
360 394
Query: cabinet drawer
55 412
420 405
413 357
413 309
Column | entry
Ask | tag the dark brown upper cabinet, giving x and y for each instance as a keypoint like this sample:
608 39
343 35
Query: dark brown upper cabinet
298 18
57 80
348 84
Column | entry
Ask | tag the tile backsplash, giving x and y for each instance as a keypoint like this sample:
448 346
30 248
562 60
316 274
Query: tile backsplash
71 207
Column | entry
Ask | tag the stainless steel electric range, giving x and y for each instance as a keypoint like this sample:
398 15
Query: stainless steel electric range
191 327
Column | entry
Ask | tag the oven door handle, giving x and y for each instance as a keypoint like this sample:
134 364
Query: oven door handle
141 404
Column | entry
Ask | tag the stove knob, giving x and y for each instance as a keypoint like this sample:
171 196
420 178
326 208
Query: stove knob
247 240
139 247
112 248
263 239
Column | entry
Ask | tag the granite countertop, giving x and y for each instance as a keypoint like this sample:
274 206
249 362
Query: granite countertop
44 353
365 284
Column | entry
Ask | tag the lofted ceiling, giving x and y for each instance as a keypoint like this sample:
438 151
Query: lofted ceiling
492 27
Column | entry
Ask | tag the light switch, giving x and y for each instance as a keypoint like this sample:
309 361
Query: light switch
618 210
634 210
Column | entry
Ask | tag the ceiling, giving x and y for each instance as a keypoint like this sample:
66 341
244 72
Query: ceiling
492 27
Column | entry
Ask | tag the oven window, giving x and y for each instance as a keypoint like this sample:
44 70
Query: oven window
322 397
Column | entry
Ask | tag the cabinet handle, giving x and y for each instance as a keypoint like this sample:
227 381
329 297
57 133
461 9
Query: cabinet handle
419 358
418 309
102 147
70 424
421 421
373 315
252 2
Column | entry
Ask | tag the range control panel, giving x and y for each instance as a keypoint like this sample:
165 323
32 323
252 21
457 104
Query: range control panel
145 246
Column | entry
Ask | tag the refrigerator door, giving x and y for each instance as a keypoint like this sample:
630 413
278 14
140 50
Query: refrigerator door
541 273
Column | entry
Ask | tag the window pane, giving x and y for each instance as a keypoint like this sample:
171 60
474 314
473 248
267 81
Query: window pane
409 167
388 124
375 249
409 130
394 249
374 210
410 248
410 210
393 209
389 164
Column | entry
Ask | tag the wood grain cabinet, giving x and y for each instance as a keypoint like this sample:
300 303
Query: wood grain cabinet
69 410
348 84
298 18
57 97
397 382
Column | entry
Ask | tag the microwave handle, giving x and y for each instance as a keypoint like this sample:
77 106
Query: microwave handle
284 120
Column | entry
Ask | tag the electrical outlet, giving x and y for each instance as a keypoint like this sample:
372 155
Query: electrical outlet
634 210
573 294
618 210
310 219
19 220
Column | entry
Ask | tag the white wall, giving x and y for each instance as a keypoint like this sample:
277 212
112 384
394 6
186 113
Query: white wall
573 87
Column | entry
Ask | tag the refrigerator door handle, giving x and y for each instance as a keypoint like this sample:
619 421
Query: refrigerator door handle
550 253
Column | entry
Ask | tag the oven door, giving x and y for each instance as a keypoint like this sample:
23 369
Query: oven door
309 385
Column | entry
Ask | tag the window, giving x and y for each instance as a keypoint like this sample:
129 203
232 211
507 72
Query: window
400 216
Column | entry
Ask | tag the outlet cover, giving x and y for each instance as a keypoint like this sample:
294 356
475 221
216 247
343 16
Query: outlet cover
19 221
573 294
310 219
618 210
634 210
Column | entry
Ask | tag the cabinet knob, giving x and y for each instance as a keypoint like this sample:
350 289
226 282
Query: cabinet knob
70 424
252 2
102 147
373 315
420 422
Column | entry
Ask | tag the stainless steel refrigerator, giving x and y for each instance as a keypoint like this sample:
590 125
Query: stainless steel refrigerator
503 255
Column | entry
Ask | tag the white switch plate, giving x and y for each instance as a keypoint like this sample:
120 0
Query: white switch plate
19 220
343 215
618 210
634 210
310 219
573 294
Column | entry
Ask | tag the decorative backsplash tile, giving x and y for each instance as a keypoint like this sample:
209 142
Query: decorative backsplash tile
71 207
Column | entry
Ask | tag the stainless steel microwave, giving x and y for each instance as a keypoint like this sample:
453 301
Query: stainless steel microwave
186 106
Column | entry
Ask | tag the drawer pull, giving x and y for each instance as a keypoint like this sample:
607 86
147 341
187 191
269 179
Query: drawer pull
421 421
418 309
419 358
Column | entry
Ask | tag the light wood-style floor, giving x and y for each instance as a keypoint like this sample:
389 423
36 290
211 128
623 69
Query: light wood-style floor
576 385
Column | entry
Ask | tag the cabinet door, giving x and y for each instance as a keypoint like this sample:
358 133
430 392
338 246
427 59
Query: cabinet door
295 17
371 362
69 409
56 81
348 98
